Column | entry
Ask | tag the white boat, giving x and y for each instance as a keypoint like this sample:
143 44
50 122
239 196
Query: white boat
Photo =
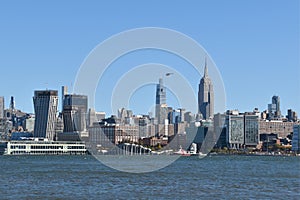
201 155
182 152
193 149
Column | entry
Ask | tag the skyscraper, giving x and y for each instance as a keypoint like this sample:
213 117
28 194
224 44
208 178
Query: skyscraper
206 96
74 112
274 108
12 103
160 92
291 116
45 107
91 117
1 107
123 113
64 91
276 101
161 109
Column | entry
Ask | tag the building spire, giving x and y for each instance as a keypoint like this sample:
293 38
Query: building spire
205 68
206 95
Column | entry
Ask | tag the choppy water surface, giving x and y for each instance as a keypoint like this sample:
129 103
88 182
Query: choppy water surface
216 177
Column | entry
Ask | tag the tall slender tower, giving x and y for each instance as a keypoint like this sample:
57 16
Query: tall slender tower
45 107
206 96
64 92
12 103
1 107
161 110
160 92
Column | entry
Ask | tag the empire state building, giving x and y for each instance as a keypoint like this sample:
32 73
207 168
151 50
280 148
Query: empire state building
206 96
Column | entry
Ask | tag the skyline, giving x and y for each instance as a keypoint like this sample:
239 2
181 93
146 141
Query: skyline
254 45
64 90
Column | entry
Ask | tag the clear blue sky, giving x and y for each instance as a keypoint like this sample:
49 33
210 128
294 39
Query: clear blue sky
254 43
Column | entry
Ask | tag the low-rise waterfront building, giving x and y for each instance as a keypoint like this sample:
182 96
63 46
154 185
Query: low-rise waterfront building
276 126
45 147
106 135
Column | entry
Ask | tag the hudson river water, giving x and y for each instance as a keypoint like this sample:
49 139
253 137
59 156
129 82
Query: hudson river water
216 177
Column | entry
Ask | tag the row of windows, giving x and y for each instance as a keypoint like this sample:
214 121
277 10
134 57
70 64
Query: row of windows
45 147
18 147
76 147
276 125
48 152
